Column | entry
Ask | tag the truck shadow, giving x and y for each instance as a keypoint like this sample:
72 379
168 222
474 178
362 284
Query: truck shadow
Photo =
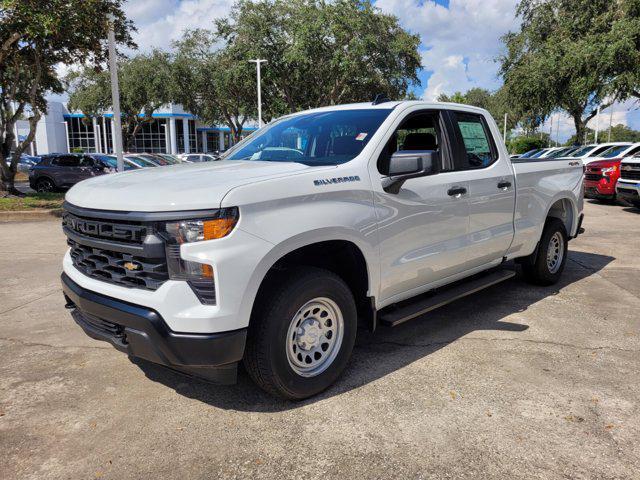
390 349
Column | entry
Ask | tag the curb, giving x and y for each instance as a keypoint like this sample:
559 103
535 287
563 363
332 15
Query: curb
30 215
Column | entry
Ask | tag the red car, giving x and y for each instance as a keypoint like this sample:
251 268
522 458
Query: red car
600 179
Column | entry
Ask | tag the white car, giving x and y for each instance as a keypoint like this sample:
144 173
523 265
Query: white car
590 153
628 185
274 258
197 157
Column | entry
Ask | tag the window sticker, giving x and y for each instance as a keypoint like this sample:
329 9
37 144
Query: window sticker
474 137
361 136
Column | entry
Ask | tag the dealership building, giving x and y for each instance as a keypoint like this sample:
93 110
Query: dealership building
172 130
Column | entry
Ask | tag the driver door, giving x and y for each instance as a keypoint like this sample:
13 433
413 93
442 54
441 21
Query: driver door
423 229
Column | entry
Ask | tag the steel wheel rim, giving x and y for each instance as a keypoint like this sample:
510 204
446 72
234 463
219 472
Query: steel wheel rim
314 337
45 186
555 252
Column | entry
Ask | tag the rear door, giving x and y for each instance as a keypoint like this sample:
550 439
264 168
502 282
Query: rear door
66 169
491 188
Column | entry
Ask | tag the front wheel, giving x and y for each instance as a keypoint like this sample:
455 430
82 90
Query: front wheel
302 333
545 266
45 185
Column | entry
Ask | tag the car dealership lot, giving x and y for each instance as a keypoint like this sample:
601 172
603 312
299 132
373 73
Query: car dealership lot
515 381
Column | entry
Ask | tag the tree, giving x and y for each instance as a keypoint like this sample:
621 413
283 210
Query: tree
524 143
567 55
35 37
321 53
214 84
144 87
619 133
495 102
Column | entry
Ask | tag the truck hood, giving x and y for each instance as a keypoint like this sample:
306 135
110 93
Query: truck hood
192 186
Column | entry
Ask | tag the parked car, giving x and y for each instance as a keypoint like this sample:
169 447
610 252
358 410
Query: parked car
198 157
25 162
171 158
276 260
562 152
139 161
600 179
60 171
590 153
111 161
628 186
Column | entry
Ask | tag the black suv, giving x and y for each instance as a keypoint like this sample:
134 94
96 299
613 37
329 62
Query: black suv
63 170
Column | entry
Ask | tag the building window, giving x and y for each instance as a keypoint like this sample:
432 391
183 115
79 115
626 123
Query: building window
150 137
81 137
213 141
193 136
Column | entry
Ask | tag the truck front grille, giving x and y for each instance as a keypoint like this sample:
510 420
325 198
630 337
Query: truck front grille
630 174
593 176
119 231
119 268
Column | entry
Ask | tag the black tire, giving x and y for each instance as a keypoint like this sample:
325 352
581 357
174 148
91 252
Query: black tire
45 185
266 356
536 268
635 203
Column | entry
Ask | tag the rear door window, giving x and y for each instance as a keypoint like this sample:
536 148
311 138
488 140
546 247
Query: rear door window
66 161
478 148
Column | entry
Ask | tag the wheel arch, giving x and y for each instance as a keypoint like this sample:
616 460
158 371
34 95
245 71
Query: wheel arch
343 254
564 209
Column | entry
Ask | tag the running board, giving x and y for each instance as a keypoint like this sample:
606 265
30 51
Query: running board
406 312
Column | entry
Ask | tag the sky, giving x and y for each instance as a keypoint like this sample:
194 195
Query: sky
460 40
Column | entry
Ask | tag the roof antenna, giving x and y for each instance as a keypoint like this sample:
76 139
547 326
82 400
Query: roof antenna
380 98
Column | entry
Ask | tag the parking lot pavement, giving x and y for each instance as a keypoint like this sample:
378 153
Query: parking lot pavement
513 382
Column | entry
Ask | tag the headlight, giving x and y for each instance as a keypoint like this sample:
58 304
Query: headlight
198 275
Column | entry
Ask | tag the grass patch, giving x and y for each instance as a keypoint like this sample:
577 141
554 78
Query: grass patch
33 201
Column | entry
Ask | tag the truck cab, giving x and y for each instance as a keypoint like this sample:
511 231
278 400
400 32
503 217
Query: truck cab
319 223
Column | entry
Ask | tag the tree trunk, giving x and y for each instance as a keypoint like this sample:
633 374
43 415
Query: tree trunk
580 127
7 179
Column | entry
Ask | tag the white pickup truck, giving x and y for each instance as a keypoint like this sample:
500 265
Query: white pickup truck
319 223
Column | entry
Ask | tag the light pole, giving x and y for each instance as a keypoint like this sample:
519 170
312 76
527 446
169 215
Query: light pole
116 135
258 61
597 124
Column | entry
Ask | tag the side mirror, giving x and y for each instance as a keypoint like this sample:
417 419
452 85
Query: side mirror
409 164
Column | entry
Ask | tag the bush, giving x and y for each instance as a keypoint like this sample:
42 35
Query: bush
523 144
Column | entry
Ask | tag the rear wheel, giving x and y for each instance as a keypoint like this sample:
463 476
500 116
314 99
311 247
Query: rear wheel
45 185
301 334
545 266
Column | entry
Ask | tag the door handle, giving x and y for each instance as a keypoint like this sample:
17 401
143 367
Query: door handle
504 185
456 191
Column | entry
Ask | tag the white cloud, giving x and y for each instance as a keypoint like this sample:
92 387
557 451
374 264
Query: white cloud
160 22
459 43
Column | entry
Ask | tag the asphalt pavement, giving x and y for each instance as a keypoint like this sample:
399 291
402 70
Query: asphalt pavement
513 382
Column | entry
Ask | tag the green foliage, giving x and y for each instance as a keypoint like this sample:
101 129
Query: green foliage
495 102
321 53
619 133
35 37
525 143
215 84
144 86
32 201
573 55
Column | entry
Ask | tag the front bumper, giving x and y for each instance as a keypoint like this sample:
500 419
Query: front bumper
603 188
141 332
628 190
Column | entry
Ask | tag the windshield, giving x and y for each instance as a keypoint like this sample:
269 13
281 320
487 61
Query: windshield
614 151
529 153
558 153
141 162
538 154
582 151
112 162
321 138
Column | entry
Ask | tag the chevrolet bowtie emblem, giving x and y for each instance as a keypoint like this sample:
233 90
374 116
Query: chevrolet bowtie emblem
131 266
